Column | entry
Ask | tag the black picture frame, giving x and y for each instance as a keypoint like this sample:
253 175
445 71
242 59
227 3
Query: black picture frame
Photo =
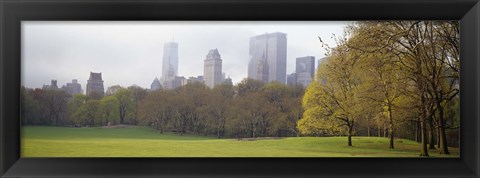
12 12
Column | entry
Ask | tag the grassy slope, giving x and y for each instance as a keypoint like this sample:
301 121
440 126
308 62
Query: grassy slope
145 142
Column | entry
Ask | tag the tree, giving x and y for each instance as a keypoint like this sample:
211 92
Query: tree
215 112
53 105
30 107
185 103
248 85
427 51
384 81
109 110
138 94
216 109
76 102
157 109
87 114
284 99
113 90
126 103
332 100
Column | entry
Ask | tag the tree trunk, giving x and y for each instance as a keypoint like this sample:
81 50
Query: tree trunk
349 140
438 137
350 130
368 126
390 127
424 150
379 129
431 133
122 114
441 121
385 131
416 130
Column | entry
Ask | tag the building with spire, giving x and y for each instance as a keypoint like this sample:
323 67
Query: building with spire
169 65
155 85
228 81
268 57
95 85
212 72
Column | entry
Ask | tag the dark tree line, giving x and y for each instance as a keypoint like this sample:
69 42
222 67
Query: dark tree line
248 109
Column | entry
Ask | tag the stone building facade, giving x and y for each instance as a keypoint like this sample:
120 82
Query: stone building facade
95 84
213 69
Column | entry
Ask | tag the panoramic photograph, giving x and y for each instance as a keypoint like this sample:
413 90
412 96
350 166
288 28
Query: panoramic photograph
388 89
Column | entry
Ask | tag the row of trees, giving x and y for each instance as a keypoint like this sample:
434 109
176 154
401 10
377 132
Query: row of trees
248 109
54 107
390 78
404 74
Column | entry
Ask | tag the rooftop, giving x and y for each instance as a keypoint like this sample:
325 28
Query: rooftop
95 76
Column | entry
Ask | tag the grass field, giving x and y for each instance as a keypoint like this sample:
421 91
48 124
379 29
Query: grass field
146 142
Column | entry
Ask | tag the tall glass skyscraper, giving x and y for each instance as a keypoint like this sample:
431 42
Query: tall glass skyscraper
305 70
268 57
169 64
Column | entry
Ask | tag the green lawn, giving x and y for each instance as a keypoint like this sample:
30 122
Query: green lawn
146 142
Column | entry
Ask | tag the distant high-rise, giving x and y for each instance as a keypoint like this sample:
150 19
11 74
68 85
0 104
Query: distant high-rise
268 57
73 88
155 85
180 81
212 70
95 84
305 70
198 79
292 79
169 64
228 81
321 60
53 85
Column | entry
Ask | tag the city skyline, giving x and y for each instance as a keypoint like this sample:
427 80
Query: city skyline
107 43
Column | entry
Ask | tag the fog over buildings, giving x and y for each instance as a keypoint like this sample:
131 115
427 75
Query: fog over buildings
305 70
169 64
268 57
135 53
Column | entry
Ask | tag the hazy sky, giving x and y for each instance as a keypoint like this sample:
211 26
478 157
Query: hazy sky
129 53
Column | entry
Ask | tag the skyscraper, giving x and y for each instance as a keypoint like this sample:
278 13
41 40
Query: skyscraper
212 70
228 81
198 79
95 85
305 70
169 64
73 88
268 57
292 79
53 85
